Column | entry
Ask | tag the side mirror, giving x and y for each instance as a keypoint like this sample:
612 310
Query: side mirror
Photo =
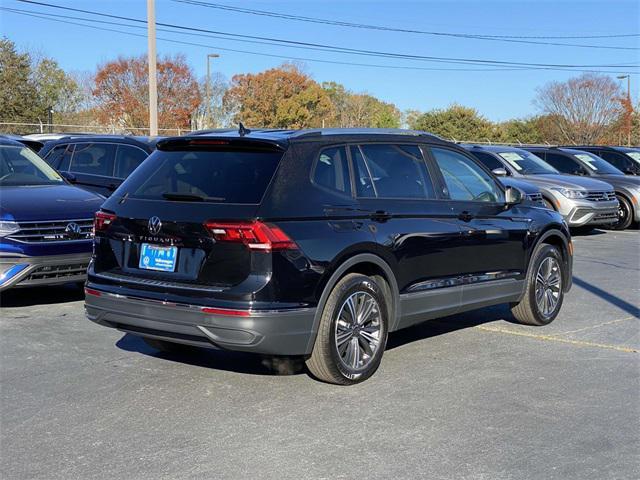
499 172
69 176
513 196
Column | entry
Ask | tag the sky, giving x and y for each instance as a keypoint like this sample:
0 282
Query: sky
498 95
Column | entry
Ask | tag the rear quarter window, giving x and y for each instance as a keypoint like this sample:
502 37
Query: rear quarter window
331 170
221 176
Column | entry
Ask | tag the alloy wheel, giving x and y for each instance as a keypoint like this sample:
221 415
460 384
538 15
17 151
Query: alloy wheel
548 286
357 330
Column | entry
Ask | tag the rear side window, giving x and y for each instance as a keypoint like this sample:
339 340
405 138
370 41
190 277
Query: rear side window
563 163
225 176
488 160
332 170
127 160
94 159
616 159
59 157
391 171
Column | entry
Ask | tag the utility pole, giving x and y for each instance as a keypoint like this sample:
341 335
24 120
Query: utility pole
629 109
153 79
209 56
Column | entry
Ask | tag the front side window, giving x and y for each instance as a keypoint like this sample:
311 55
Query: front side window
465 180
127 160
391 171
332 170
218 176
94 159
20 166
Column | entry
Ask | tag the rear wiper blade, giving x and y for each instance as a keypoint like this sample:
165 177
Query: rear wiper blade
190 197
185 197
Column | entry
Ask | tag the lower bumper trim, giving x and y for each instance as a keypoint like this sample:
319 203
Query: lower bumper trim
275 332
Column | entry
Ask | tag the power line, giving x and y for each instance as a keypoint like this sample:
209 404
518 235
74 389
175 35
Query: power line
504 38
339 49
306 59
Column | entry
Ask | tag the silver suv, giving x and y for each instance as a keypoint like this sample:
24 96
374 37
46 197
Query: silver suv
581 201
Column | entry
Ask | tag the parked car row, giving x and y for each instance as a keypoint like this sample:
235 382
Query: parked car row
313 242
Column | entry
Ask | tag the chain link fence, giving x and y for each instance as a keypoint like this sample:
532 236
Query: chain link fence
31 128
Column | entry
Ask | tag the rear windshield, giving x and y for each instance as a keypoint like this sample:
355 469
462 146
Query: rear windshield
228 176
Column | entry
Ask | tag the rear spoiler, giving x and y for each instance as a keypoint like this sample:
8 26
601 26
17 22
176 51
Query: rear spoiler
219 143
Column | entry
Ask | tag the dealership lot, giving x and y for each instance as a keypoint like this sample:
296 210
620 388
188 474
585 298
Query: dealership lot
470 396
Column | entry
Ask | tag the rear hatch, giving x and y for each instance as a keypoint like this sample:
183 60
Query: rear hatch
185 219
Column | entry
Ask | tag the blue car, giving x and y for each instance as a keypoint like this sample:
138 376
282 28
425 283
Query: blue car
46 224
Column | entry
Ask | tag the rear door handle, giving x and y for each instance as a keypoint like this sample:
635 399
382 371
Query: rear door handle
380 216
465 216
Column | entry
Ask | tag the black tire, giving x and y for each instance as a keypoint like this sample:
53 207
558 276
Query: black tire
326 363
167 347
528 312
625 214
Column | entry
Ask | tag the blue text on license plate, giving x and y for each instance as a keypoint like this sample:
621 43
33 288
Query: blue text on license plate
153 257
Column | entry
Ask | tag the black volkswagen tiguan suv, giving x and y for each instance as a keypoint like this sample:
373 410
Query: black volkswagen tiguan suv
317 243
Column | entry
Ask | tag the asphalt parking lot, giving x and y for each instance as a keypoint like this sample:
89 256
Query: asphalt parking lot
472 396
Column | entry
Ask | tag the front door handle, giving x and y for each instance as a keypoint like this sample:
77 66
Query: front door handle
380 216
465 216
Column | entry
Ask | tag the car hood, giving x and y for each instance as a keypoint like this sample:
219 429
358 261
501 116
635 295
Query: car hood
566 181
526 187
621 180
47 202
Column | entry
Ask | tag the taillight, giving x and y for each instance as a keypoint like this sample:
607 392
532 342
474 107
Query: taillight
102 221
255 235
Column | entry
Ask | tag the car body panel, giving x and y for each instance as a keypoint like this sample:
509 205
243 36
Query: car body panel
577 212
440 256
46 250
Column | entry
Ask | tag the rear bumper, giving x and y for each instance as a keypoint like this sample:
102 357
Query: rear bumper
273 332
25 271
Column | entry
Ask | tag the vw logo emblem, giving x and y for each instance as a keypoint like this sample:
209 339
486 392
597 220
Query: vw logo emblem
154 225
73 230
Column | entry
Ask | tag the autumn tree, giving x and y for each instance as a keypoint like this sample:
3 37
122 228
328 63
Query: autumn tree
283 97
359 109
122 93
582 107
456 122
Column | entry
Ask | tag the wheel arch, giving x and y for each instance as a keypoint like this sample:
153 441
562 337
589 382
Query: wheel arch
370 265
557 238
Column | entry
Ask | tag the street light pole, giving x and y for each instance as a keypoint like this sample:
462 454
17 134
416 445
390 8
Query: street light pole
153 79
209 56
629 107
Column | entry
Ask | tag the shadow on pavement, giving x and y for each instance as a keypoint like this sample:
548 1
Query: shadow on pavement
444 325
239 362
609 297
27 297
254 364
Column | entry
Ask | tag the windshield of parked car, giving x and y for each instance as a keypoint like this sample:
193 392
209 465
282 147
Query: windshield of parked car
596 164
527 163
20 166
